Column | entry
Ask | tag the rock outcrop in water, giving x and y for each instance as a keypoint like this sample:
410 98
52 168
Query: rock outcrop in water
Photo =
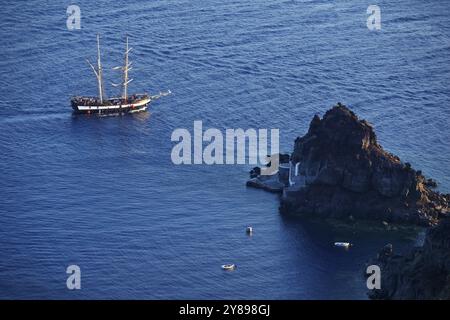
338 170
424 273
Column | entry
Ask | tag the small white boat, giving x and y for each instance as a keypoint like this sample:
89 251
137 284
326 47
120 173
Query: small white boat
229 267
249 230
343 244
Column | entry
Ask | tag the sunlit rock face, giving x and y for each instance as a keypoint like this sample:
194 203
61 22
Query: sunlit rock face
346 172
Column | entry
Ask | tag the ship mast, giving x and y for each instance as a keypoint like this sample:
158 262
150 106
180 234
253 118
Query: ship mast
126 68
98 72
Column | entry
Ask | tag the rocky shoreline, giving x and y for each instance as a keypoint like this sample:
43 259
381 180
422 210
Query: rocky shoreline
422 274
338 170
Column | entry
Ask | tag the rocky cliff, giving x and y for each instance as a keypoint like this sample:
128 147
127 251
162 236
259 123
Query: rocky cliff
345 172
424 273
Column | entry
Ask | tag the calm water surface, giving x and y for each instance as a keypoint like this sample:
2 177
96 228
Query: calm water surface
103 193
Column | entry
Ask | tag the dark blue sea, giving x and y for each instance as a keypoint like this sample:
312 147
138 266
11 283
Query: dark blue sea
103 193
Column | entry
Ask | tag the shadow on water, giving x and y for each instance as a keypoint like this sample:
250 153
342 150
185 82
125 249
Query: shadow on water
104 193
334 230
339 271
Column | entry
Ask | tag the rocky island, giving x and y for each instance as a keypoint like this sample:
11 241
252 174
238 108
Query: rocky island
339 170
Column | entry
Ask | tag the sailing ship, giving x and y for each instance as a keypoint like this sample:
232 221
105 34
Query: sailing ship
121 105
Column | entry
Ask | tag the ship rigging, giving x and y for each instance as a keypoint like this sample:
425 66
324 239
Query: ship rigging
124 104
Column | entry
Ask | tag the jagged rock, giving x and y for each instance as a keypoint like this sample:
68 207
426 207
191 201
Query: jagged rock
282 158
423 273
346 172
431 183
386 252
268 183
256 171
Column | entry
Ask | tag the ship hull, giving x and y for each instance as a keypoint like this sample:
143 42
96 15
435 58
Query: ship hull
109 108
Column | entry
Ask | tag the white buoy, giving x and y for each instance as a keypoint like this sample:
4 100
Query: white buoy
249 230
